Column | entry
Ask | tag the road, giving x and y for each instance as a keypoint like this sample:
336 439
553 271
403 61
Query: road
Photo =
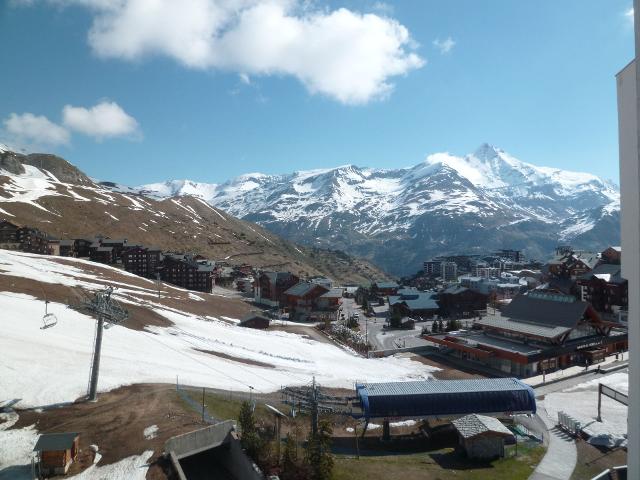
379 337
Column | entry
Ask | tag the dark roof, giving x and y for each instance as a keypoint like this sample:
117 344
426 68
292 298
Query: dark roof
67 243
445 397
386 285
302 288
113 241
253 316
333 293
105 249
275 276
415 300
543 308
454 290
55 441
606 272
526 328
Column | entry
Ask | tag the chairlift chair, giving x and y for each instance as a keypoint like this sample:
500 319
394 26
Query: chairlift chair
49 319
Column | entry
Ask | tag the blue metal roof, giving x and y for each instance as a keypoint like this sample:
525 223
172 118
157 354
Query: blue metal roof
441 398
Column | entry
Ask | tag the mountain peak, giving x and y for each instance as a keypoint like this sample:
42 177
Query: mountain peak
487 151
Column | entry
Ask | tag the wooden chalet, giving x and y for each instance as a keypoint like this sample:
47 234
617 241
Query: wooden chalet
310 301
571 264
67 248
56 452
83 246
269 287
384 289
612 255
187 272
255 320
461 302
536 333
22 238
413 303
604 288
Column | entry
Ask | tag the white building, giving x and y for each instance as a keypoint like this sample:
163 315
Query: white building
628 115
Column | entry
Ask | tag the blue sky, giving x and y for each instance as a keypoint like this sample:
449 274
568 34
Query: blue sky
136 95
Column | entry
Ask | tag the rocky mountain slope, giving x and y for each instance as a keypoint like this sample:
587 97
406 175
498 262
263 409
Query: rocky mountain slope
446 204
49 193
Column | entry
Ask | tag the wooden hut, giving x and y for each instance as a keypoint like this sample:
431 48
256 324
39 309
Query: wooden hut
56 452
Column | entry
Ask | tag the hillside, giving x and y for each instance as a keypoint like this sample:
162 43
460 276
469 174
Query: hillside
445 205
49 193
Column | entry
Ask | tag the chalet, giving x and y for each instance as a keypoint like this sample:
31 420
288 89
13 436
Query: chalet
83 246
255 320
571 264
56 452
269 287
536 333
482 437
331 300
604 288
461 302
67 248
413 303
245 284
142 261
25 239
612 255
187 272
9 235
102 254
384 289
117 246
302 301
324 281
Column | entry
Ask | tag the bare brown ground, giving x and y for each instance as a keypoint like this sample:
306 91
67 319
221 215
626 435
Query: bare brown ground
116 423
593 460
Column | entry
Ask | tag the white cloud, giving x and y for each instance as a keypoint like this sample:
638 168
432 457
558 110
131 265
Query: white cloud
342 54
244 78
445 46
27 128
383 7
104 120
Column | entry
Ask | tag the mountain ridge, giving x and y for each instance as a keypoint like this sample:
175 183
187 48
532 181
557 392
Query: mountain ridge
366 211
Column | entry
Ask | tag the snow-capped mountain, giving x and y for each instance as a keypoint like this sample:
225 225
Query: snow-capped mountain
398 218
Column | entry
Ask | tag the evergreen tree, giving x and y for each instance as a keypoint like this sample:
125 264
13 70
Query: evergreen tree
318 453
250 439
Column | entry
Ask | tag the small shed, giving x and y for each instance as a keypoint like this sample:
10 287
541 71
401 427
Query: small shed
56 452
482 437
254 320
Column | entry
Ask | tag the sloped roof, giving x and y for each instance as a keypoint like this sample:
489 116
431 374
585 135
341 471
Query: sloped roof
302 288
473 425
386 285
454 290
522 327
608 273
333 293
416 300
55 441
549 309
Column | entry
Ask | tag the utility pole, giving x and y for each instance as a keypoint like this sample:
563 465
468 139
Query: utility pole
95 367
314 408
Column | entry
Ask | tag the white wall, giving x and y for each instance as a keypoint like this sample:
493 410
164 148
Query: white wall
630 188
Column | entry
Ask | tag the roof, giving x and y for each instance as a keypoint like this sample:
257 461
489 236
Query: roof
105 249
55 441
608 273
473 425
300 289
253 316
416 300
455 290
333 293
521 327
67 243
275 276
386 285
441 398
549 309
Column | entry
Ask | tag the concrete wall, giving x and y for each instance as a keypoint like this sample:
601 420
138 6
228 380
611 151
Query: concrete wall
199 440
627 83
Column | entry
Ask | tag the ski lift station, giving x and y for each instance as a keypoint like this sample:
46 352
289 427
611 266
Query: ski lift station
446 398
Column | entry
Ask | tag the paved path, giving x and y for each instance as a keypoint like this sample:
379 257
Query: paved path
561 457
